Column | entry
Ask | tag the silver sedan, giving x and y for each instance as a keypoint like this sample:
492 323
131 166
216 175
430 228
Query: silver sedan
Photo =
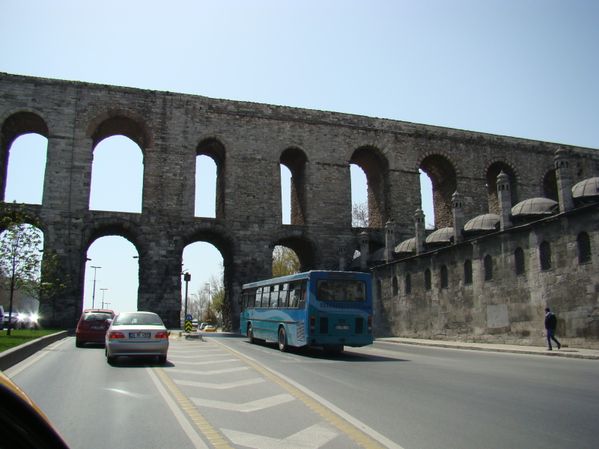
137 334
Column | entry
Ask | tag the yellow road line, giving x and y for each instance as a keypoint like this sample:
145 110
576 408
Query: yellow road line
352 431
216 439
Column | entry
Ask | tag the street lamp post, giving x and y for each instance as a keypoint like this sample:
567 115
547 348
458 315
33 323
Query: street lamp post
103 290
186 278
94 290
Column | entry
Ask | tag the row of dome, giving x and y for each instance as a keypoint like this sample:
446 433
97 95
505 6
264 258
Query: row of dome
583 192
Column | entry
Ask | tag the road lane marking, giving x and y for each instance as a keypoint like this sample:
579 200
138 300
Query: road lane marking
355 429
247 407
207 373
225 386
311 438
184 405
209 362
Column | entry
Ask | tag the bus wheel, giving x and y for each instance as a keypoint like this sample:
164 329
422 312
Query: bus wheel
282 339
250 334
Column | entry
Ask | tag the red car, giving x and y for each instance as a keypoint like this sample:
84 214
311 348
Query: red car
92 326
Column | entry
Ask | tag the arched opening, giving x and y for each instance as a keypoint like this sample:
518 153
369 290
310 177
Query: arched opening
545 255
284 261
117 175
375 168
205 290
21 254
359 197
488 266
395 286
583 243
492 173
444 281
468 272
111 275
205 187
519 262
210 179
301 248
17 125
550 185
293 186
444 183
427 279
26 167
426 199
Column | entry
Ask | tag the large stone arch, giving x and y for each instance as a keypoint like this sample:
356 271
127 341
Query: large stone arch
296 160
224 243
491 174
15 125
305 249
376 167
117 122
214 149
443 175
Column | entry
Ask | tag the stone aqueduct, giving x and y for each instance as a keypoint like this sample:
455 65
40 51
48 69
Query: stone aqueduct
247 142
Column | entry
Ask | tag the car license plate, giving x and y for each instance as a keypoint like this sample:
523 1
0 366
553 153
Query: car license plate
139 335
98 328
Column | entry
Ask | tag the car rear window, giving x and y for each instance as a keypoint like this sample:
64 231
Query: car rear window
132 319
96 317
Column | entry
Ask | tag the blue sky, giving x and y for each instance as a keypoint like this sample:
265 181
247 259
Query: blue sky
523 68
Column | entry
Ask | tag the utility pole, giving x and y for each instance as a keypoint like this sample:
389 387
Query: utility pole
94 291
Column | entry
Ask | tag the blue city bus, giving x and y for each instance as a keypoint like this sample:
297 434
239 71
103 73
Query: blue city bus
331 309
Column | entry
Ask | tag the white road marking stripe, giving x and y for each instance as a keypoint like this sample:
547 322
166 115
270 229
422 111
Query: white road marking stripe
206 373
226 386
310 438
189 430
252 406
209 362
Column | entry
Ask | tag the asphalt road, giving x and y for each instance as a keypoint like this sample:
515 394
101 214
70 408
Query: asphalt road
225 392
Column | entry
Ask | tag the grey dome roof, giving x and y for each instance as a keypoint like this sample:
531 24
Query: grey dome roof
485 222
587 188
407 246
534 206
442 235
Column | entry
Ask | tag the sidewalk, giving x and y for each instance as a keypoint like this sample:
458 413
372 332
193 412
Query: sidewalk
577 353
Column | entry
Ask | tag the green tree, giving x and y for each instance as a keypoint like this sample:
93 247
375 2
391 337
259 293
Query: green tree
20 257
284 261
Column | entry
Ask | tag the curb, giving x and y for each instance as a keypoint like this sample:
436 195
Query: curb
495 348
19 353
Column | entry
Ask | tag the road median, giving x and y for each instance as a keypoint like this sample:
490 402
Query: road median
12 356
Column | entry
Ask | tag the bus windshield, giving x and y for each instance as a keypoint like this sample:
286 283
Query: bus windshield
341 290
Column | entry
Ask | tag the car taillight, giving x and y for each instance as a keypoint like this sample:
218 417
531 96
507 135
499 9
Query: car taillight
114 335
161 334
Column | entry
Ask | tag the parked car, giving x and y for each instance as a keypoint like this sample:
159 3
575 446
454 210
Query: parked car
209 328
135 334
92 326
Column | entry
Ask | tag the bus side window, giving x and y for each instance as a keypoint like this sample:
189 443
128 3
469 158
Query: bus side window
274 296
259 297
293 295
283 292
302 295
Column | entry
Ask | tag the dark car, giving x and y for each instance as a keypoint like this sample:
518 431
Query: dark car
92 326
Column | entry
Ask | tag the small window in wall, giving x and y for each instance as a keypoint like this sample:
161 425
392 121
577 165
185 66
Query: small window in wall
584 247
519 261
444 277
545 256
468 272
408 284
488 262
395 286
427 279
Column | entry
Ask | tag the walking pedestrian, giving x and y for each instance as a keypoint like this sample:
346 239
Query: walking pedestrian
550 325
